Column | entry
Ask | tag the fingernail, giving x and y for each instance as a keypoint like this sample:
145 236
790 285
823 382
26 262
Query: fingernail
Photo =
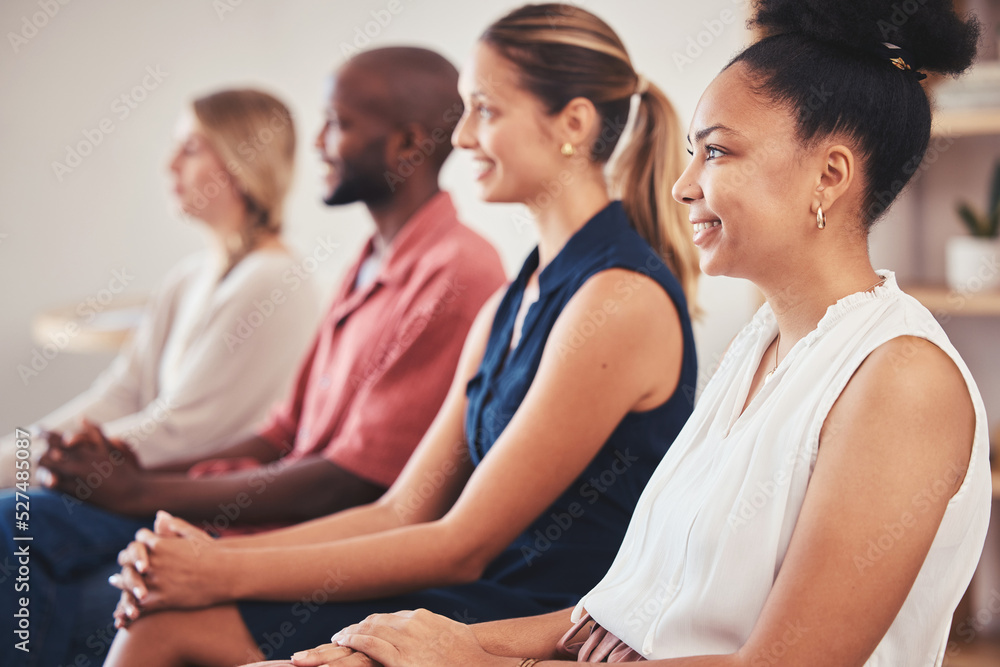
113 579
336 637
138 593
140 566
299 654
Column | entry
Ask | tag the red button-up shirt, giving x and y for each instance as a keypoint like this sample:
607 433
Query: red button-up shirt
385 355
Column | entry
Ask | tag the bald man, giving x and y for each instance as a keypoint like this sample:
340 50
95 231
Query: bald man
366 392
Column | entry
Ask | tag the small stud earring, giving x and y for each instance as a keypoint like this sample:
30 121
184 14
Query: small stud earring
567 149
820 218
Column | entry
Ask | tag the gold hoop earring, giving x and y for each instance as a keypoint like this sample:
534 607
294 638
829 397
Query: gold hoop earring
820 218
567 149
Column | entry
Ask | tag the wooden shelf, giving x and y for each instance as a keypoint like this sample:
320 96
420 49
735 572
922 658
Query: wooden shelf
943 301
965 122
89 327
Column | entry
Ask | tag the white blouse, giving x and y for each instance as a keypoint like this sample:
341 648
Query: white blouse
712 527
207 361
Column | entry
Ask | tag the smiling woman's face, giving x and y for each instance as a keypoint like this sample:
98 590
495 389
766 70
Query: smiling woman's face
512 139
750 182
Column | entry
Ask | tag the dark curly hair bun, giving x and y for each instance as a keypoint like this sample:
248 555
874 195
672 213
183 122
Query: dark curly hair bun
930 30
869 92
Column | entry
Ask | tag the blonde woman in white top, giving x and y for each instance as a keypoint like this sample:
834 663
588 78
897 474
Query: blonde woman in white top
221 338
827 502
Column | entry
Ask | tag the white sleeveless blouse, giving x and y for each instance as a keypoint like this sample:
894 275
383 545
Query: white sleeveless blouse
712 527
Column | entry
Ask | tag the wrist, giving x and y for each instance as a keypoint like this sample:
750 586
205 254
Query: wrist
491 660
140 500
225 565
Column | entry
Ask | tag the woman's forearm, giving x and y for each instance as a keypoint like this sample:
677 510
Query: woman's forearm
353 522
378 565
533 636
694 661
537 637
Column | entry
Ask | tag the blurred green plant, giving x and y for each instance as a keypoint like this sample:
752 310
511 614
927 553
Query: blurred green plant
984 225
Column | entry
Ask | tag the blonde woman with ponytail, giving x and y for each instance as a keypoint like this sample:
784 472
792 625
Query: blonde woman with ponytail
574 381
224 332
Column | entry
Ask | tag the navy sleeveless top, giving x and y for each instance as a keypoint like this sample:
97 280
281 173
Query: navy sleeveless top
567 550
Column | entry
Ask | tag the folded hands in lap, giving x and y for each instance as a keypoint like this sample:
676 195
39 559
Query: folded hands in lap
166 568
71 464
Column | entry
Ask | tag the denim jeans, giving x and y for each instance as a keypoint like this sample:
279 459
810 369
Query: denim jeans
73 549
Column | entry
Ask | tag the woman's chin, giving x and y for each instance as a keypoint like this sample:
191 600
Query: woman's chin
711 266
495 196
487 194
187 211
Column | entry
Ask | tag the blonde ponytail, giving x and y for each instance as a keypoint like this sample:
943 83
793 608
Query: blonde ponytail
643 175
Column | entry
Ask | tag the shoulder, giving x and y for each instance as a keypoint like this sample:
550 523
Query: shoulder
180 277
907 394
621 309
265 264
263 280
913 371
632 292
265 270
463 262
907 357
462 249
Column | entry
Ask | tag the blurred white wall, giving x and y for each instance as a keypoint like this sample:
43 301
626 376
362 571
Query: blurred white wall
64 67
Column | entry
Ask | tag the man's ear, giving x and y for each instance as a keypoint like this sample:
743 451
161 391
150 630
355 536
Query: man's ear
404 144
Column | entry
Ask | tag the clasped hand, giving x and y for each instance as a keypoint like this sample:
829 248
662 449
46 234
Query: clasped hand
169 567
101 471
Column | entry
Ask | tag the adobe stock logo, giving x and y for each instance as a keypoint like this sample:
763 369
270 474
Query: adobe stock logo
363 35
699 42
37 21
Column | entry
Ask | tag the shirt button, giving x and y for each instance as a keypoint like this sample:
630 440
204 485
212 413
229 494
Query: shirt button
324 382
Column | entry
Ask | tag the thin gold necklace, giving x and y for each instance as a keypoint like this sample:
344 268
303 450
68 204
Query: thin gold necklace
777 340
